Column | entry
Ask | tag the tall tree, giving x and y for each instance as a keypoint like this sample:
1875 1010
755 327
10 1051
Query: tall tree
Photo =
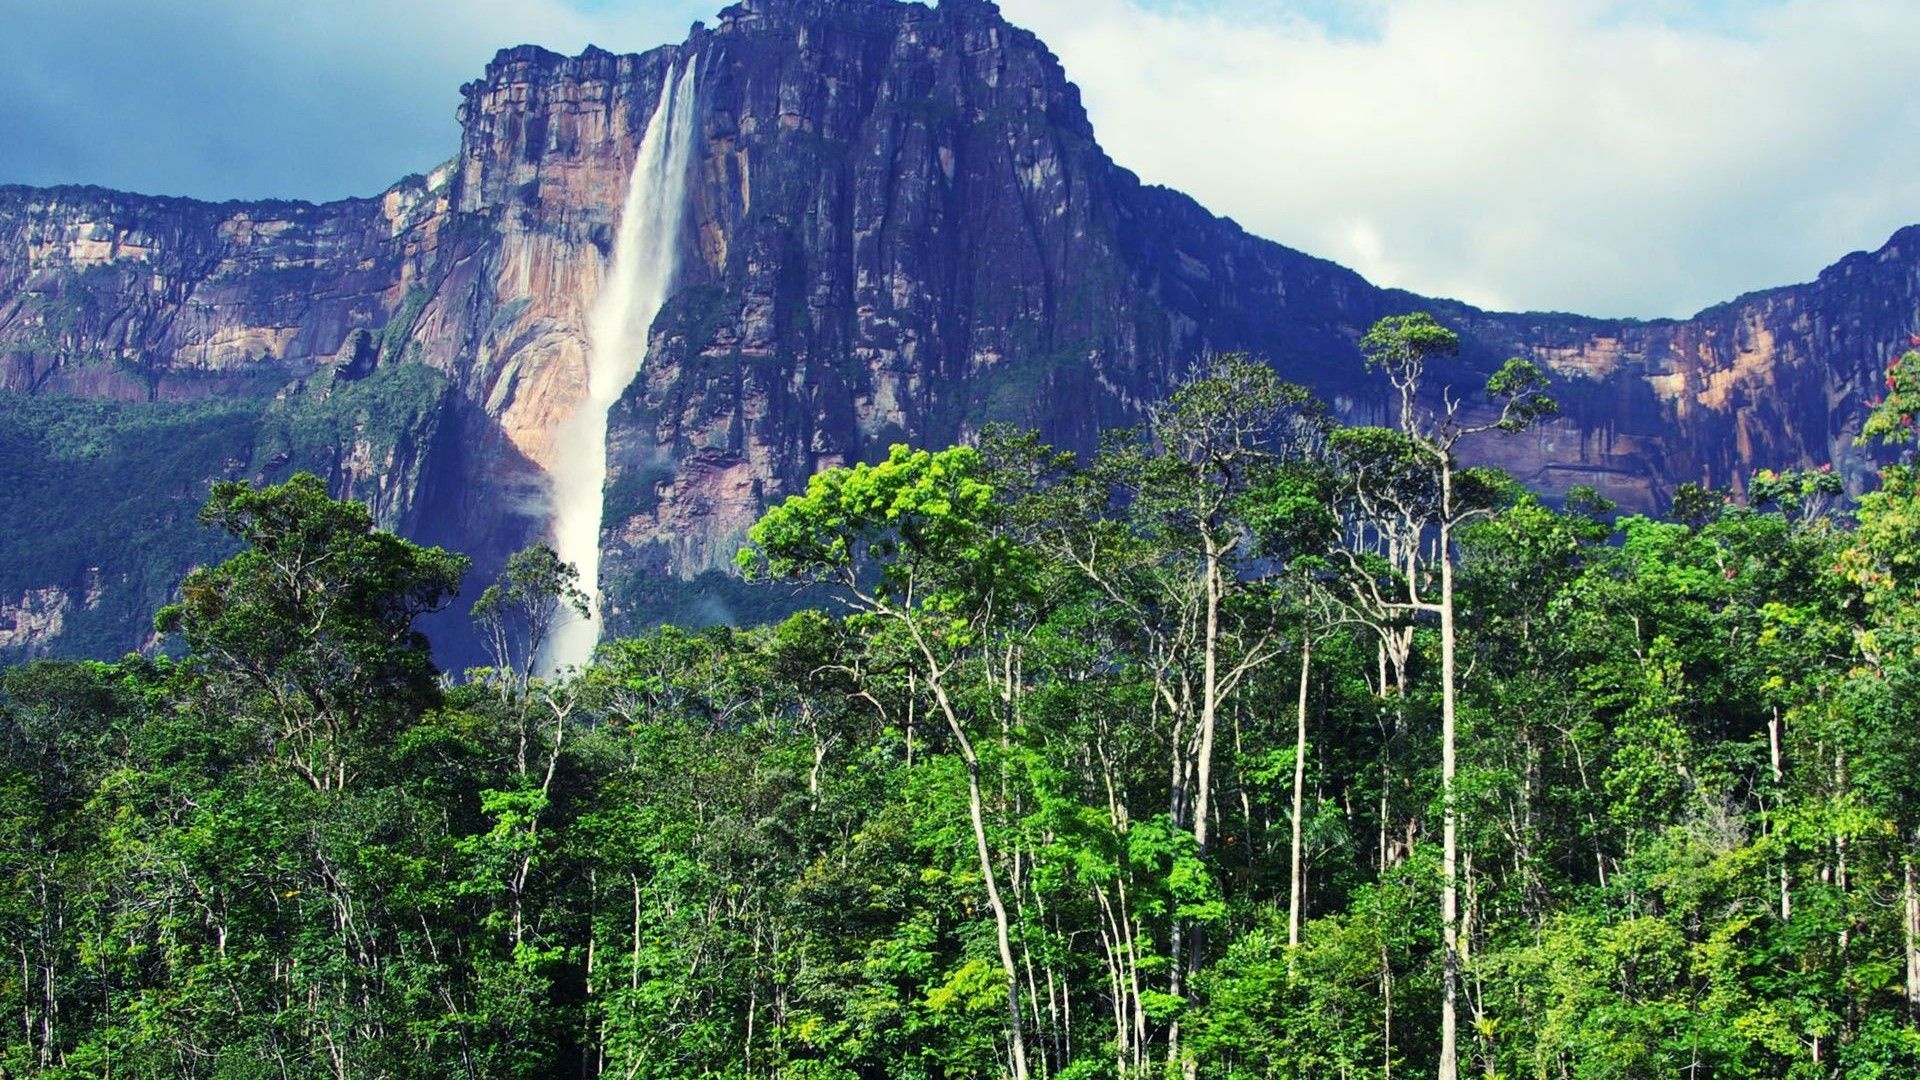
907 540
1403 347
309 630
1883 561
518 615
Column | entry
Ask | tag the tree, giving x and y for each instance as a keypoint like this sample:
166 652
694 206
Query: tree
1883 562
1687 833
1445 497
1165 526
917 521
281 871
309 630
518 614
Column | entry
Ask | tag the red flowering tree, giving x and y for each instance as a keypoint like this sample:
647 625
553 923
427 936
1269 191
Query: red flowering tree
1892 419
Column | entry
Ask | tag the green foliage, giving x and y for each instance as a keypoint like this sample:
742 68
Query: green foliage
1893 417
1685 800
115 551
69 520
309 628
399 329
648 601
1403 344
383 420
1521 387
518 614
918 517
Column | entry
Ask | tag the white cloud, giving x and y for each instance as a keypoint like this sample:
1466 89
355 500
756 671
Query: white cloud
1632 157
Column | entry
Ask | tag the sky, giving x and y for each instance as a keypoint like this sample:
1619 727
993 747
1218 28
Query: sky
1612 157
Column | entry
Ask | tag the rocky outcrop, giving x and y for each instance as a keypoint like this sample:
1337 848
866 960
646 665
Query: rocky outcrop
901 227
1781 378
106 294
31 625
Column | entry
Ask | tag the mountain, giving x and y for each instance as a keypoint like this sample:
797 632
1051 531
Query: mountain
898 225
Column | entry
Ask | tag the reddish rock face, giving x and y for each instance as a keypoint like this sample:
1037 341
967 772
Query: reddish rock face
901 228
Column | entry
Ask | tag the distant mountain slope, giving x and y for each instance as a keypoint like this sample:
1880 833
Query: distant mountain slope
901 227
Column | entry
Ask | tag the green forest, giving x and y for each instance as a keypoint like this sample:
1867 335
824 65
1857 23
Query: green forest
1249 746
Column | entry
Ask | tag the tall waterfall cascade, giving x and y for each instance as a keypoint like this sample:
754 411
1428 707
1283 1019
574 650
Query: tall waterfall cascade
640 277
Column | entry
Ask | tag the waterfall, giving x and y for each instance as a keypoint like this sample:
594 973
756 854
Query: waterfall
645 261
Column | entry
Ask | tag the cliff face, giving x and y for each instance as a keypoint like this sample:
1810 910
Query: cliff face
1774 379
900 228
105 294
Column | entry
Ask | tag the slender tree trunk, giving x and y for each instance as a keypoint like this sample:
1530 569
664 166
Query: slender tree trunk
1003 932
813 774
1179 809
753 1008
1840 784
1246 797
1450 847
1779 787
1177 794
1297 887
1116 986
1209 705
1386 1013
1187 945
1386 782
1910 920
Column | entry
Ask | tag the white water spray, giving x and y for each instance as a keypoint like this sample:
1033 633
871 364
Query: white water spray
645 262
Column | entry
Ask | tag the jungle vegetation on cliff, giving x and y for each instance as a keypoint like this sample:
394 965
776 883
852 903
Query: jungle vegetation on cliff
1249 746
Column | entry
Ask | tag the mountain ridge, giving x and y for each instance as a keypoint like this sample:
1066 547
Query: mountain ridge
902 226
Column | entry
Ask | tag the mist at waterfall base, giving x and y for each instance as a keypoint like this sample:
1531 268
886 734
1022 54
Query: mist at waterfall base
644 266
